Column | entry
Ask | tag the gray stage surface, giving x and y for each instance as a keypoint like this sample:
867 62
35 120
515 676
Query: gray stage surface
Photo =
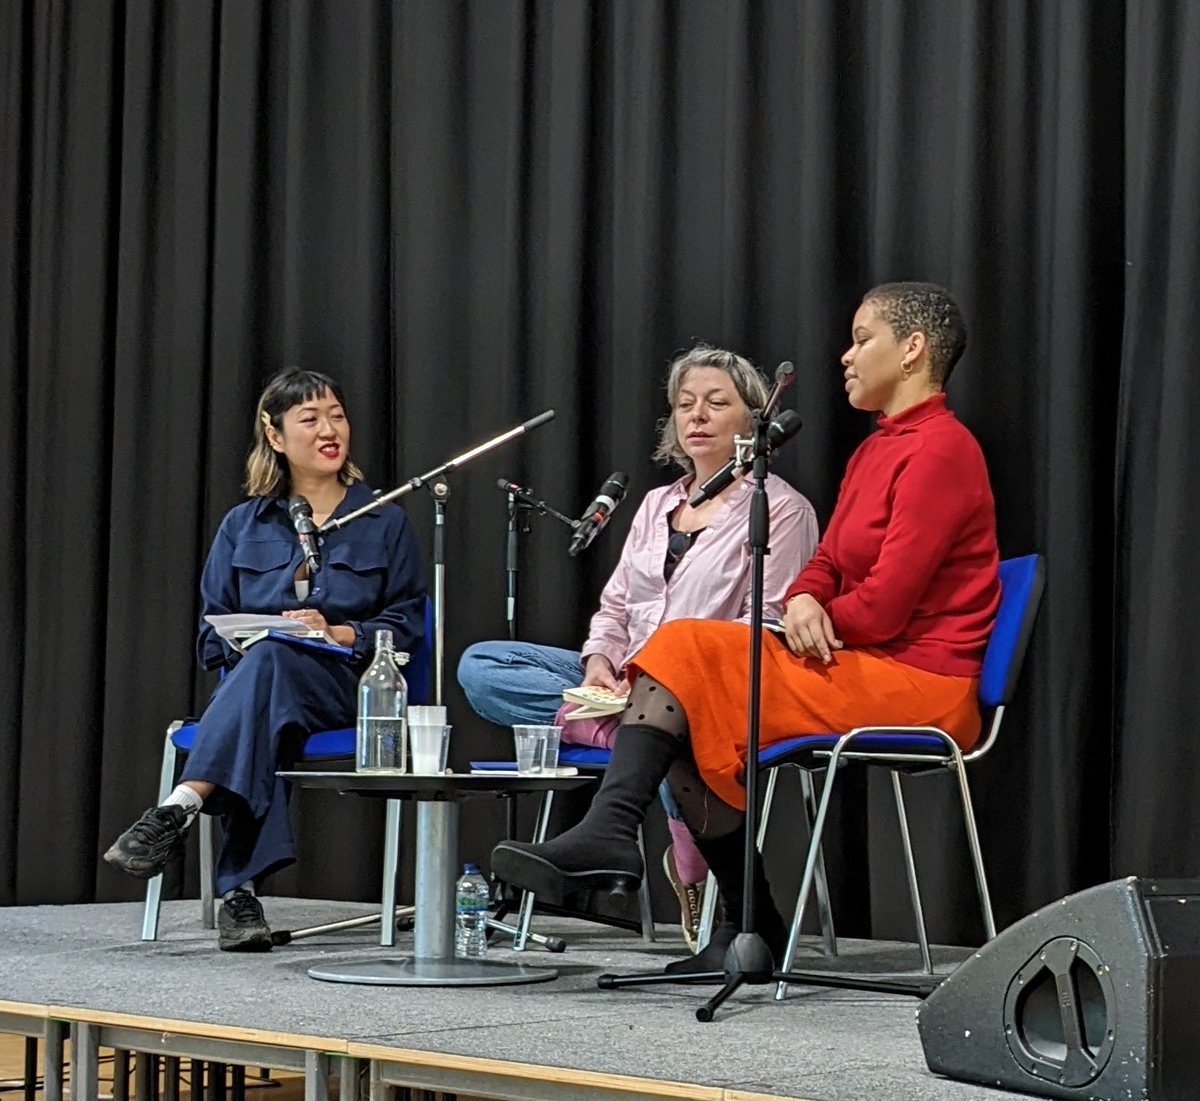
821 1044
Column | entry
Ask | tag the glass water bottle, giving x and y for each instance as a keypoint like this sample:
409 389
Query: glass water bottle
381 743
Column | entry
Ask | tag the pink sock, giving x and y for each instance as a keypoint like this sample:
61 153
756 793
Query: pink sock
688 862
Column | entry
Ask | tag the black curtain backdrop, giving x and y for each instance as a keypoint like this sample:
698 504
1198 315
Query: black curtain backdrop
471 212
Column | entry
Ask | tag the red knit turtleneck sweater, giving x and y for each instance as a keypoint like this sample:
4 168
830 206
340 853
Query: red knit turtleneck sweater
909 562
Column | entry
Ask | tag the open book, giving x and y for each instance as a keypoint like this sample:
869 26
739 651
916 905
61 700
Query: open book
242 630
594 702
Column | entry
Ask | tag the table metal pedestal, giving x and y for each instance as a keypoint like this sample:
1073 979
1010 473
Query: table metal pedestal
433 962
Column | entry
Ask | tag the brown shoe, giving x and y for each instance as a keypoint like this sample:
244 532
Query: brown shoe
690 895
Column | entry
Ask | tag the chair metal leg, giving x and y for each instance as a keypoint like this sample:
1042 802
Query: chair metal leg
525 914
391 866
204 827
645 911
551 944
821 882
708 912
810 864
768 801
910 868
985 898
166 782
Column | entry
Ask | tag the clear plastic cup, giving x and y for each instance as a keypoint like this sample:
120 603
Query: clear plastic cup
550 757
429 745
530 745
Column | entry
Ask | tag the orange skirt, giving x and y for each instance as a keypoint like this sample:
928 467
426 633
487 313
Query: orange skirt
705 665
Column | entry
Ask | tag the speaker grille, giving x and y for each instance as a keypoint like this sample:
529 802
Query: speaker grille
1057 1013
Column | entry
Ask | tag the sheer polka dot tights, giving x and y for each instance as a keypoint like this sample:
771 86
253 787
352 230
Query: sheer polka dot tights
651 703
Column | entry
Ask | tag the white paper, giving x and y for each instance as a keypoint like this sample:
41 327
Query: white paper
229 625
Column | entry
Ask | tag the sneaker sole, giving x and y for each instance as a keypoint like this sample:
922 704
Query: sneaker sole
132 865
250 940
533 873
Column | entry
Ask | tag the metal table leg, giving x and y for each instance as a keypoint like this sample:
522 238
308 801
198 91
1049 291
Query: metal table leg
433 962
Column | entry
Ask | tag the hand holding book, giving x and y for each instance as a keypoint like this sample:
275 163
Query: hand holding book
593 702
243 629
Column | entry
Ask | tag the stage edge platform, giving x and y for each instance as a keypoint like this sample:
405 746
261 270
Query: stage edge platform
83 972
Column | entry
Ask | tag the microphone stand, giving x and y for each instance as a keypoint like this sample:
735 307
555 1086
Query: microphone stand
430 816
521 503
748 959
518 524
441 492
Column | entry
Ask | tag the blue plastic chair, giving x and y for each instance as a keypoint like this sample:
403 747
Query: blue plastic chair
923 749
324 745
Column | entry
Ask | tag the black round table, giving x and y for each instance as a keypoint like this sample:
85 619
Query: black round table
433 962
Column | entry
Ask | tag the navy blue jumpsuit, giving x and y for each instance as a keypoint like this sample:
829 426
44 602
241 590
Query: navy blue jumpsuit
270 698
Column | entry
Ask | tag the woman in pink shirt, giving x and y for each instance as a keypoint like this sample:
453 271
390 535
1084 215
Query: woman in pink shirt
678 562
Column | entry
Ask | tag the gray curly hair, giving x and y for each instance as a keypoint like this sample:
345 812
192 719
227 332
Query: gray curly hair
747 379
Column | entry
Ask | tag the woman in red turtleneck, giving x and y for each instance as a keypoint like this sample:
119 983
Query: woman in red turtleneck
888 621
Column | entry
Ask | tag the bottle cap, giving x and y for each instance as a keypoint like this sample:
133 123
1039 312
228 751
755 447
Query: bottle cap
468 869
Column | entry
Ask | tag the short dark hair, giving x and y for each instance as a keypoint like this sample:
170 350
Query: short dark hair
267 472
926 308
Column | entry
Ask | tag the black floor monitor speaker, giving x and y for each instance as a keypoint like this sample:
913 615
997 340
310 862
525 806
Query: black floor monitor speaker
1095 996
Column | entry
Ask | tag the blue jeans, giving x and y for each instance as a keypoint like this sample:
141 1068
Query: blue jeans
509 683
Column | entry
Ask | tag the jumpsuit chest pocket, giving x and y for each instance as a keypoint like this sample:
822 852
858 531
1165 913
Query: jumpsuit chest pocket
263 572
356 580
359 558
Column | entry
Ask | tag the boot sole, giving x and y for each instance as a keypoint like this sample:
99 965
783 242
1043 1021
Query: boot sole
532 873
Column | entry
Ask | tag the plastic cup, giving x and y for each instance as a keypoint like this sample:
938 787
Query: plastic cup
422 714
550 757
530 745
430 745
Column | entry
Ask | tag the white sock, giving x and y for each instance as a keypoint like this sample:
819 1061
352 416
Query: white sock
186 797
248 887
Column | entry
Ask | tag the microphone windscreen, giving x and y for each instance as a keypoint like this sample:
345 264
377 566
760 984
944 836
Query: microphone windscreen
783 427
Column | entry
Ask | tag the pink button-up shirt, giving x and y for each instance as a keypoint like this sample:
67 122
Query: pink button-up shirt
712 580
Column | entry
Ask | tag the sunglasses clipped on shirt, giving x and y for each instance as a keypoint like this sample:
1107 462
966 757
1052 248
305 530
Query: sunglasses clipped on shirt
678 545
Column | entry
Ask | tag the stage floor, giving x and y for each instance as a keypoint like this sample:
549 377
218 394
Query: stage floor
554 1040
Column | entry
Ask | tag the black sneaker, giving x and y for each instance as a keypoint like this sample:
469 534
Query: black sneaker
150 843
242 925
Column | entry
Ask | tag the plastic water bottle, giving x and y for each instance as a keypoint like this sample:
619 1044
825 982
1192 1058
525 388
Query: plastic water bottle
470 914
381 744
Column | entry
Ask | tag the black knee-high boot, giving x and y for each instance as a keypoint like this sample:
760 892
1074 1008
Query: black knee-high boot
601 852
725 856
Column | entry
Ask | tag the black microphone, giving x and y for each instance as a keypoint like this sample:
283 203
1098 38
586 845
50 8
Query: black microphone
525 495
302 520
780 429
596 515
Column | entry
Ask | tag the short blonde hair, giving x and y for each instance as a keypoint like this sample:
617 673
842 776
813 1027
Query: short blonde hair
747 379
267 471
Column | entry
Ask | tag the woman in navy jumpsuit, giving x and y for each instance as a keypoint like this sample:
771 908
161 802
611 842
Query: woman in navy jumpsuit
275 694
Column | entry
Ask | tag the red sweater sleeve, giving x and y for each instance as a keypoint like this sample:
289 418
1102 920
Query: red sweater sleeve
930 500
819 578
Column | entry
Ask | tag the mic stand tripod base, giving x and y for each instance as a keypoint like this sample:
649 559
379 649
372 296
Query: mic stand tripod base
747 961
